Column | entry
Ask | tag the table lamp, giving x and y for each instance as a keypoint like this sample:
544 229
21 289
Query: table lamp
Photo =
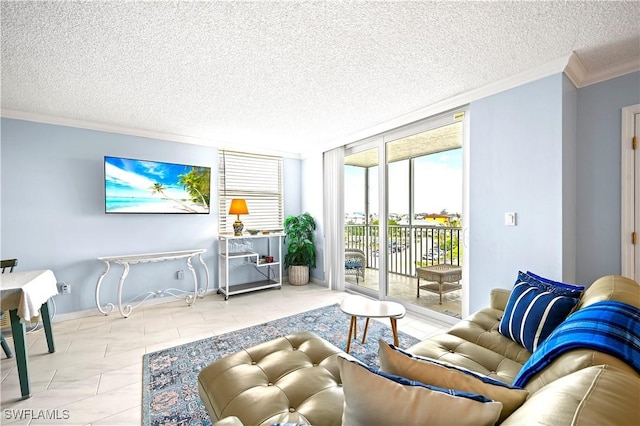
238 207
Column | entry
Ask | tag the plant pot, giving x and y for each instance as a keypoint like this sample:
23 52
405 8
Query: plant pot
298 275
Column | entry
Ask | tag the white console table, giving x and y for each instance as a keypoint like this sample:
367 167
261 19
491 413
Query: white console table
237 252
126 260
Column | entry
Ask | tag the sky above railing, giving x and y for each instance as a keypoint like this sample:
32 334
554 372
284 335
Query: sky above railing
438 185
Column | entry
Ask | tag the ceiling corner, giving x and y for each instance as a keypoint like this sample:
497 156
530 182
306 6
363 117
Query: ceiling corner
575 70
580 76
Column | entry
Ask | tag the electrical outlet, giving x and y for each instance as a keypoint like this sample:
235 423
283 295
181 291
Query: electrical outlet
64 288
180 275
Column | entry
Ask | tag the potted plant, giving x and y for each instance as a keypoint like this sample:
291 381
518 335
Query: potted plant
300 247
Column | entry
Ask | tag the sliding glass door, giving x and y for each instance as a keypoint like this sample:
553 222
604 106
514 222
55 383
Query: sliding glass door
408 214
361 233
424 228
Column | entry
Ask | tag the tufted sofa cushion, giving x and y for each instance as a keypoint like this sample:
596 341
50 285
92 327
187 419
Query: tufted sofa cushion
476 344
292 379
457 351
481 328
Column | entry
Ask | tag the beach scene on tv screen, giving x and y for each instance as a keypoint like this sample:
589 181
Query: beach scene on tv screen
139 186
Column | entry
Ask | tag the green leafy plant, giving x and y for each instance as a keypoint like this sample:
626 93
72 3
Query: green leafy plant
301 249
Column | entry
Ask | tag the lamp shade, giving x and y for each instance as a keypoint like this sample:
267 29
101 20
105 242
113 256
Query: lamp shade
238 206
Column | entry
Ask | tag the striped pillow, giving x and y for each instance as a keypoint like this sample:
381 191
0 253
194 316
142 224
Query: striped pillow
533 313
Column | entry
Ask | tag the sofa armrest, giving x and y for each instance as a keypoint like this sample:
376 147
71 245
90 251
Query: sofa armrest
499 298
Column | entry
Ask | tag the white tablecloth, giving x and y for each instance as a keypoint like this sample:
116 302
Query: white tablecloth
27 291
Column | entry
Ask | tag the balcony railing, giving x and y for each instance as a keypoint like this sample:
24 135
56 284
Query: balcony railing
408 246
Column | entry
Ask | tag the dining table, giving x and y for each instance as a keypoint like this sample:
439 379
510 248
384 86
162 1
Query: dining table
25 295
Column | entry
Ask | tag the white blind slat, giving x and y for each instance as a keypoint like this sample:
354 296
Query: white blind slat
258 180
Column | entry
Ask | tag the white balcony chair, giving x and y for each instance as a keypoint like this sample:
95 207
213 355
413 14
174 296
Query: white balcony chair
354 263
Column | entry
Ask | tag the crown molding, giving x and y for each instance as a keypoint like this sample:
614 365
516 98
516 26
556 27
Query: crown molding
575 70
580 77
550 68
103 127
457 101
569 64
143 133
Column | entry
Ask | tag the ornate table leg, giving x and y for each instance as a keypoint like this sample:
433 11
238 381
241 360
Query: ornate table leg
108 308
189 298
202 292
126 311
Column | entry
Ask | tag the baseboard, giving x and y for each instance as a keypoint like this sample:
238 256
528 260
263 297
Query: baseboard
94 311
285 280
317 281
155 301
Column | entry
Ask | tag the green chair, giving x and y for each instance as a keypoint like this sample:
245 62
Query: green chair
4 264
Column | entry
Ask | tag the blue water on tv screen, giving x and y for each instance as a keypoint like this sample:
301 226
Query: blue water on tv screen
141 186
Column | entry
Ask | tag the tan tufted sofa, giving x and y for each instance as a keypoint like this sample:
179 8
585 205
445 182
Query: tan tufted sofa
292 379
296 379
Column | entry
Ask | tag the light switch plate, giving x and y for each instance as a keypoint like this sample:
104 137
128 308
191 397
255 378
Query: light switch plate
510 219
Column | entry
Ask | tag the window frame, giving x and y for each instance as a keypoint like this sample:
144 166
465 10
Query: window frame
256 178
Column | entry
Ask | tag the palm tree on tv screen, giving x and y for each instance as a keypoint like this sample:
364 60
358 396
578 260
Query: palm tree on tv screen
197 183
159 188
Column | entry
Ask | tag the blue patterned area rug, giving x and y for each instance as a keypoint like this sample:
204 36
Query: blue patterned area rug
170 376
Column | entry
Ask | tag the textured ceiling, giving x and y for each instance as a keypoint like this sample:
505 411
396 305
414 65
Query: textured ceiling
286 76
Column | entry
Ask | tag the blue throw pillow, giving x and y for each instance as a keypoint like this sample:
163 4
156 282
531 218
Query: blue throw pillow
553 286
532 313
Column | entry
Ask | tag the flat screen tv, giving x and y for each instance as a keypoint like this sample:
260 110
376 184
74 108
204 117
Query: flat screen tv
141 186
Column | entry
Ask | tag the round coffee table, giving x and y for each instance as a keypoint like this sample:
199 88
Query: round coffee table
358 306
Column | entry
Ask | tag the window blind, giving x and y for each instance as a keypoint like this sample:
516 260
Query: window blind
256 179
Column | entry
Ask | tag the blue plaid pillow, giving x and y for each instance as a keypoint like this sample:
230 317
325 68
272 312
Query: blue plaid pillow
532 313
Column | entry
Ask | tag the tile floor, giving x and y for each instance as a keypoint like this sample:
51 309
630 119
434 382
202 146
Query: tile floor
404 288
95 375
